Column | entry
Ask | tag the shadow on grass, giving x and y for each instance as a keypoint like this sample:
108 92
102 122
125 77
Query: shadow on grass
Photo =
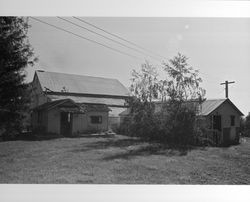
38 137
151 149
93 136
134 147
34 137
109 142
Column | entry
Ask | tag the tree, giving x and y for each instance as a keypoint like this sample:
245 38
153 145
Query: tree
15 55
246 124
174 119
144 88
183 82
182 85
145 83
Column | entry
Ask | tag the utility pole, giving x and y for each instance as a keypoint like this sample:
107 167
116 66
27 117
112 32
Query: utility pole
226 83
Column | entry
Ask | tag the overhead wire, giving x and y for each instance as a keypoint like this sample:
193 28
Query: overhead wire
115 41
119 37
85 38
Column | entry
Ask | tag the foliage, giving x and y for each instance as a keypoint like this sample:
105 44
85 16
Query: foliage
142 123
15 55
159 109
245 126
183 81
145 83
176 122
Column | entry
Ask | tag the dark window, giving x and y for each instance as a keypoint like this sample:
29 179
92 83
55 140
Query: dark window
96 119
40 116
232 120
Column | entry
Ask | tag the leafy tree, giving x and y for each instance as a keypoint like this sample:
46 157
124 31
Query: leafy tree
183 82
145 83
15 55
170 118
246 126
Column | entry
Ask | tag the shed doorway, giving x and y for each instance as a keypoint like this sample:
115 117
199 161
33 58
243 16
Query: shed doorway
217 122
66 123
226 136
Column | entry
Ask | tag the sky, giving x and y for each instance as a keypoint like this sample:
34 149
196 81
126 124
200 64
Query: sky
218 47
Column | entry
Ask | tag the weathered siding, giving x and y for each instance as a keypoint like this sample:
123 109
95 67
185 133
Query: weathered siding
54 119
226 111
37 95
79 123
82 122
102 126
42 124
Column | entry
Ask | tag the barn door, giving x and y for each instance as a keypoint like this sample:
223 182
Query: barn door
66 123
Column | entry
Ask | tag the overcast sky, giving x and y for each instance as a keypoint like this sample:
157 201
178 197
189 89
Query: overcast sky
218 47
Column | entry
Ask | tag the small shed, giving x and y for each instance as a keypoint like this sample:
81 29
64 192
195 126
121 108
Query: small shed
218 118
221 118
68 118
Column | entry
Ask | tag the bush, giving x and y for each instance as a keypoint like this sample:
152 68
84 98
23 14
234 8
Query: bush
177 123
174 123
245 126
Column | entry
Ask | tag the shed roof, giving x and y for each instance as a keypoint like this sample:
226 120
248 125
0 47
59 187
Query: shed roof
61 82
208 106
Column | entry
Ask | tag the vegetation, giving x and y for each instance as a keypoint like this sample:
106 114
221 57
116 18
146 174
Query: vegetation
121 160
15 55
245 126
161 109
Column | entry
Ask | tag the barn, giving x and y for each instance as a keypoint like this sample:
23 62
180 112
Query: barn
69 104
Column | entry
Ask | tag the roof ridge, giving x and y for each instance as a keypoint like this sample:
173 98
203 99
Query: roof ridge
76 75
82 84
216 99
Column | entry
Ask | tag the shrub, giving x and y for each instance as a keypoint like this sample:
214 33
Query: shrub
174 123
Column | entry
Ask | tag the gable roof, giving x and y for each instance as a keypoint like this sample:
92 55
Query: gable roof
78 107
85 99
57 82
208 106
53 104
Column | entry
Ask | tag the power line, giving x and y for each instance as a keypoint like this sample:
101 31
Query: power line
121 38
85 38
122 44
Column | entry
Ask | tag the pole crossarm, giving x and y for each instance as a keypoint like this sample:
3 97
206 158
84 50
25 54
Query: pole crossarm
226 88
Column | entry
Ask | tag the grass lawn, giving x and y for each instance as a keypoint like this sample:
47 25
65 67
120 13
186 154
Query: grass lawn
121 160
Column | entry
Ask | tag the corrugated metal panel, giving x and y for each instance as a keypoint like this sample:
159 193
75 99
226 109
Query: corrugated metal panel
209 106
57 82
78 99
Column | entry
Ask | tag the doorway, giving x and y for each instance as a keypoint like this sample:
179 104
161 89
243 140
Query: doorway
226 136
66 123
217 122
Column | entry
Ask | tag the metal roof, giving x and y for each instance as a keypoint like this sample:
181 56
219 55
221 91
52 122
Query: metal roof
208 106
79 99
61 82
79 107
